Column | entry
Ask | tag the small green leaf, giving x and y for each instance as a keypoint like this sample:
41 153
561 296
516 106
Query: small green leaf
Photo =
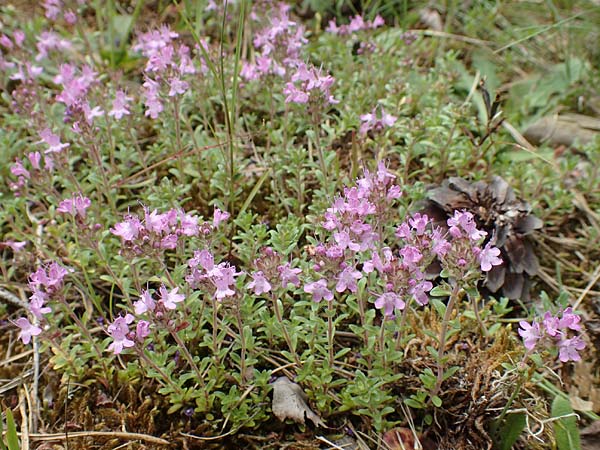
12 439
506 434
439 306
437 402
565 425
440 291
2 446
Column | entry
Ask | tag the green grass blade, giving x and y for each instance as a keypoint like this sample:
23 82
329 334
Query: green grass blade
12 440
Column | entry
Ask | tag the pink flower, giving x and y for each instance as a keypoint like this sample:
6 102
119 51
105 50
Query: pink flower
27 329
223 281
411 255
568 349
14 245
259 283
419 222
570 320
119 330
52 140
128 230
372 122
120 106
530 333
388 301
189 225
170 299
76 206
289 275
18 170
177 86
145 303
142 330
219 216
489 256
419 291
151 91
36 304
34 159
346 279
319 291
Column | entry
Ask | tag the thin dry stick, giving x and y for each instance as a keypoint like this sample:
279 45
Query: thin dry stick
12 298
15 358
109 434
590 285
24 421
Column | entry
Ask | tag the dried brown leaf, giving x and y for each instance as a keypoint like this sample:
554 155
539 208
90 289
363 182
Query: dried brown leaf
289 402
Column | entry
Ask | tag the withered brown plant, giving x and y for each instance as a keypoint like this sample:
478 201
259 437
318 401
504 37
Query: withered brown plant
507 220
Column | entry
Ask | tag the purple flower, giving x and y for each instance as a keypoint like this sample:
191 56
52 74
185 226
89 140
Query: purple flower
530 333
219 216
411 255
419 291
145 303
568 349
223 279
372 122
289 275
36 304
388 301
489 257
76 205
128 230
119 330
177 86
319 290
552 324
346 279
142 330
419 222
570 320
170 299
52 140
259 283
27 329
120 106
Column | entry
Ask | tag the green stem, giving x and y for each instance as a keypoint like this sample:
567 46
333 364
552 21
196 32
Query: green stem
288 340
454 297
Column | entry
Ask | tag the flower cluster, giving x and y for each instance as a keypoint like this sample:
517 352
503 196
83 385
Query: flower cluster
76 206
44 284
272 273
278 44
54 9
162 231
169 62
309 84
357 240
357 23
219 279
351 234
554 331
119 331
466 253
376 123
34 161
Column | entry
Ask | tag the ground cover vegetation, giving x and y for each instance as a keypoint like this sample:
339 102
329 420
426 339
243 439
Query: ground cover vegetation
299 225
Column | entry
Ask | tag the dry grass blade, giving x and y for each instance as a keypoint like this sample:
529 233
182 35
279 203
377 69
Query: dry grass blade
107 434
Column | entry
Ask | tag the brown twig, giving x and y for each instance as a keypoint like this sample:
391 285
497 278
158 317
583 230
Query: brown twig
109 434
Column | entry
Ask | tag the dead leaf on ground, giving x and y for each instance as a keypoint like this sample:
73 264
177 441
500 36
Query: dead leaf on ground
289 402
565 130
590 437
